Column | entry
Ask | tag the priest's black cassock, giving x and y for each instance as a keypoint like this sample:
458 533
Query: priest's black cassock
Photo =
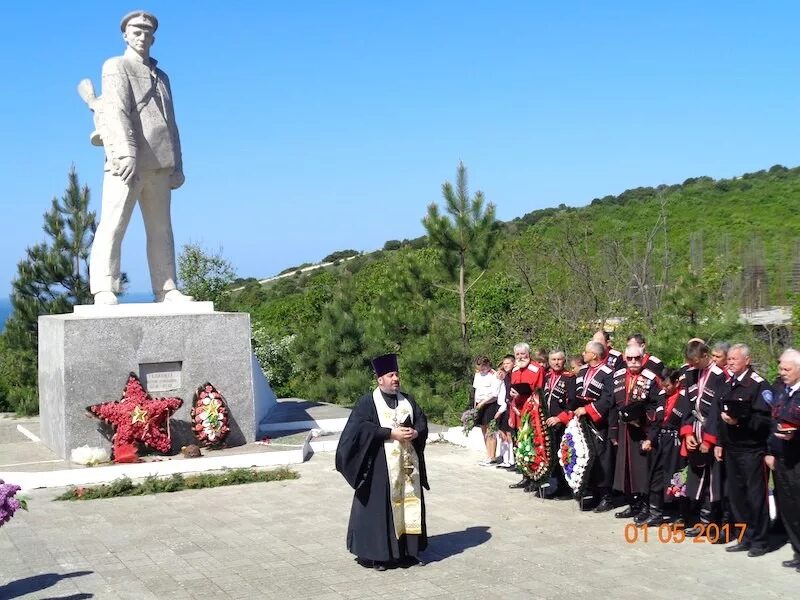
361 459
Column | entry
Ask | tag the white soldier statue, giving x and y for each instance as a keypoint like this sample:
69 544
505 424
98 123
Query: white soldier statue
135 123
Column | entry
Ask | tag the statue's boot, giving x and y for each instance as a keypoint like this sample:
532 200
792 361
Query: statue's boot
173 296
106 298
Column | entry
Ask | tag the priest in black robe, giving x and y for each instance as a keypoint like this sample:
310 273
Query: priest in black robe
381 455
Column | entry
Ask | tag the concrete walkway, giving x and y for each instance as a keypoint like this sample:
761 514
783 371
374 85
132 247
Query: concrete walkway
286 540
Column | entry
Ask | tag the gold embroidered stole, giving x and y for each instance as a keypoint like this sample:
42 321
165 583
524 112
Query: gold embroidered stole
402 462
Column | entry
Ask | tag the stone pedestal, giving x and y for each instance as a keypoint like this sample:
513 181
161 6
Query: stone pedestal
85 358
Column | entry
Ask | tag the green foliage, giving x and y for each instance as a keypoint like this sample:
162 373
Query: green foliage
17 380
665 261
295 269
393 245
176 482
53 276
796 320
276 359
333 353
206 276
465 238
339 255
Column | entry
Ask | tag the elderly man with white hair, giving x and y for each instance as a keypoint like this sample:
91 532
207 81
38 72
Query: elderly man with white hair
783 449
525 371
744 430
649 362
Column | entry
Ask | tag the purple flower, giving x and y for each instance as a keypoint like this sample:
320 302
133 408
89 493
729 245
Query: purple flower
8 504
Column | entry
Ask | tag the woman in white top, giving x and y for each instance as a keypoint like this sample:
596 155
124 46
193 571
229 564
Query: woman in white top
487 387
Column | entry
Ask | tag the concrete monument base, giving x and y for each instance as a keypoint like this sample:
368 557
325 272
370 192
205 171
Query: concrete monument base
85 358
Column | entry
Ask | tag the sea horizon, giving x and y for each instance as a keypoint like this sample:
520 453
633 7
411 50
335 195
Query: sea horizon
128 298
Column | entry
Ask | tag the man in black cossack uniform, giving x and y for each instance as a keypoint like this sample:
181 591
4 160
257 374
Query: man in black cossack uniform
559 396
699 403
595 400
783 449
635 397
744 429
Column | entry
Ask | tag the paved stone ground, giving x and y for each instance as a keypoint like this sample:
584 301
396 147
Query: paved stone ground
286 540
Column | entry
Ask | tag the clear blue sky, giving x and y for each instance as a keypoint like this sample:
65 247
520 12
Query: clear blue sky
310 127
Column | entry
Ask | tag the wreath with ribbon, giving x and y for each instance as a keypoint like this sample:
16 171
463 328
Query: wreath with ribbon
210 416
576 456
534 453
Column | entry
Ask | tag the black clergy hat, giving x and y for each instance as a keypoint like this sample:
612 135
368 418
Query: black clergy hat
384 364
523 389
633 412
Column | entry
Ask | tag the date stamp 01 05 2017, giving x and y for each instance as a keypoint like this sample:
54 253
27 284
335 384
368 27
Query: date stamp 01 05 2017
676 534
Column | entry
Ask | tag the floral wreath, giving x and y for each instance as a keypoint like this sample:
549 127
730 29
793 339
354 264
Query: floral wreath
137 418
576 456
209 416
534 453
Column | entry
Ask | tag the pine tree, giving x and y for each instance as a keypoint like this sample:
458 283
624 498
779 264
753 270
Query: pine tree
53 277
465 238
333 356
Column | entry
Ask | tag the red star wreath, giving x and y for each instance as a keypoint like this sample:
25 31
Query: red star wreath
137 418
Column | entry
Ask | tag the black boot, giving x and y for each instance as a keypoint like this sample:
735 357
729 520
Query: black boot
533 490
606 502
522 483
633 509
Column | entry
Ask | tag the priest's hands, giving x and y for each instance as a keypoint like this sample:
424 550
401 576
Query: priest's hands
691 442
404 434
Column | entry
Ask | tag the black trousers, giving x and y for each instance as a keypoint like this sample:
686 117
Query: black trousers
746 486
667 461
787 492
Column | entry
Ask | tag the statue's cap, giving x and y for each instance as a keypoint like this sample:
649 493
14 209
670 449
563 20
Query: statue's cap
385 364
140 18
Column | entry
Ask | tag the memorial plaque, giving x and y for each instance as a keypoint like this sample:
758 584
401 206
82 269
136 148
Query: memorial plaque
161 377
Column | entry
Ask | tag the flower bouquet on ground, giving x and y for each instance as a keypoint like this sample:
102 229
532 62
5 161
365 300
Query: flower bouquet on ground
576 456
468 420
209 417
677 485
534 453
8 503
89 455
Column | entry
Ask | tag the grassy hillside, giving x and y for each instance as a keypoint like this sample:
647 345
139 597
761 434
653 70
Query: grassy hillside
729 216
672 261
